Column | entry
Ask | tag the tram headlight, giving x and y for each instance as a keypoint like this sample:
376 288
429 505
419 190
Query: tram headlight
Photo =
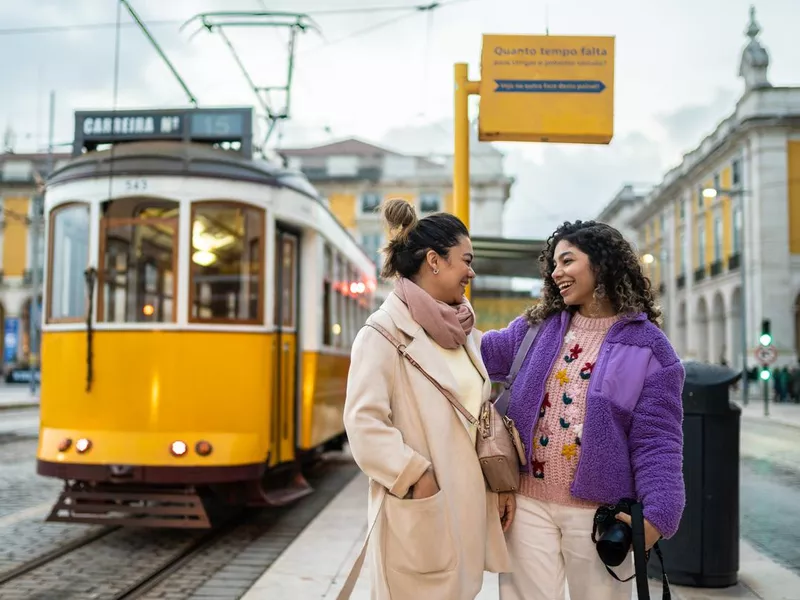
83 445
203 448
178 448
65 444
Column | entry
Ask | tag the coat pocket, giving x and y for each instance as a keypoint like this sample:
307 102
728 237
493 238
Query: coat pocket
418 535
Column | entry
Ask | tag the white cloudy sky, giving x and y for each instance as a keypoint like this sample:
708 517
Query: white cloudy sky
386 76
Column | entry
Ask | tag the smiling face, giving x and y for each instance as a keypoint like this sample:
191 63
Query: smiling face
454 272
573 274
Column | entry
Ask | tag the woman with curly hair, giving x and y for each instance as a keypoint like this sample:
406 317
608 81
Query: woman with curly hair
597 402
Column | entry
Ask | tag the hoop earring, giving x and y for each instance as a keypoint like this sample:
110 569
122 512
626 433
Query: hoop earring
436 271
598 295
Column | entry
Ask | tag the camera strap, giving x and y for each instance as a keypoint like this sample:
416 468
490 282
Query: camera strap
640 558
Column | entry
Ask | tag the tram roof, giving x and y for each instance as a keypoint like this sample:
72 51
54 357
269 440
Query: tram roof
507 257
174 158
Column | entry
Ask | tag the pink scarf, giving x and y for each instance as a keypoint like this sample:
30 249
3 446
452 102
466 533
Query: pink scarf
448 325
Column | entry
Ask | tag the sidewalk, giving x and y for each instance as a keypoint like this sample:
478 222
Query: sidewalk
784 413
17 396
316 564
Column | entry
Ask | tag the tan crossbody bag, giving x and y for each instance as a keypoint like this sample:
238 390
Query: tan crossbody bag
498 444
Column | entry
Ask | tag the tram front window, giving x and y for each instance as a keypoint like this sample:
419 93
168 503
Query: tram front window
69 257
227 263
138 244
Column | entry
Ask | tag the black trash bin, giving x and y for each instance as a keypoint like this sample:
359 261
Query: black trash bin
705 550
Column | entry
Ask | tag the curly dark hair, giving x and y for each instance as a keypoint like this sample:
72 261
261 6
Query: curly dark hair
616 268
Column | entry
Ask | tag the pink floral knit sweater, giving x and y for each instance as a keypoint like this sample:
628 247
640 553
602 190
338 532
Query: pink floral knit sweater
557 439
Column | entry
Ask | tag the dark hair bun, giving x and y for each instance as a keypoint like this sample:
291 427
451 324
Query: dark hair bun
401 218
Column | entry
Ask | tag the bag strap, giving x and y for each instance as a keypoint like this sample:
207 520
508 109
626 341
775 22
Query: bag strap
401 349
503 400
641 557
355 571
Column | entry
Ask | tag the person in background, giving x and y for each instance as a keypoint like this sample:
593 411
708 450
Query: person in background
597 403
437 527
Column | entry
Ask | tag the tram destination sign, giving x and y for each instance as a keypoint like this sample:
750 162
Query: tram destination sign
93 128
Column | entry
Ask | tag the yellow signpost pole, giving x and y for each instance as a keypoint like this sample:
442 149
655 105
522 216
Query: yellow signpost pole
464 88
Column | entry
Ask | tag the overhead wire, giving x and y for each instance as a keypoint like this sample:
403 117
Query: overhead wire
39 29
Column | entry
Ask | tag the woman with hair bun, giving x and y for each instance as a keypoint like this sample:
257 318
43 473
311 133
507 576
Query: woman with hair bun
435 527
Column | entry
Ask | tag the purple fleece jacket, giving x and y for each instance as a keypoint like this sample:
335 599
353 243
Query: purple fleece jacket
632 441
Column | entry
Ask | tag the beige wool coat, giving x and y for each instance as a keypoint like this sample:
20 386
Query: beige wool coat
398 424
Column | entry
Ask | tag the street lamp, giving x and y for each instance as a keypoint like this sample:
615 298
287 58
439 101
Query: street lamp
712 193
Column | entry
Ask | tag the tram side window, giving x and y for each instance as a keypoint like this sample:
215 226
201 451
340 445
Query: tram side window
69 257
227 263
138 245
285 267
340 327
327 298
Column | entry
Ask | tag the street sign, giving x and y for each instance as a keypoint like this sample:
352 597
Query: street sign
550 88
766 355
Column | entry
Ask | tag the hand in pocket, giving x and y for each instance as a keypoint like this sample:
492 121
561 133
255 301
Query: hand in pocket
426 486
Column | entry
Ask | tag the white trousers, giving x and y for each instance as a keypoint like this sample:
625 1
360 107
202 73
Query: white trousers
550 544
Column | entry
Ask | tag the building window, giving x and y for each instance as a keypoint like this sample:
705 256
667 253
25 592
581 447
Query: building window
430 202
682 253
716 182
370 202
717 238
662 226
69 257
342 166
136 282
736 169
700 199
682 209
227 260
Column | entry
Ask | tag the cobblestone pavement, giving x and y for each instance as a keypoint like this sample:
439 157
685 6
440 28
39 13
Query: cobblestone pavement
770 491
114 562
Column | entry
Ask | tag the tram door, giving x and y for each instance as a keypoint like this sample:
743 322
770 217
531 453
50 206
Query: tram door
286 317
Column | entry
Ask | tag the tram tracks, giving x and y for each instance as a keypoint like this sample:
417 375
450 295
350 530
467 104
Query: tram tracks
124 583
53 555
117 563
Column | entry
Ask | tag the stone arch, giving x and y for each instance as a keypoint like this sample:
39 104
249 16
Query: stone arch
25 328
2 334
718 347
682 330
735 314
797 324
701 326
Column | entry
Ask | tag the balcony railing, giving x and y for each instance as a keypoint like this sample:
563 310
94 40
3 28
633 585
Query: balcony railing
681 282
734 260
27 276
716 268
699 274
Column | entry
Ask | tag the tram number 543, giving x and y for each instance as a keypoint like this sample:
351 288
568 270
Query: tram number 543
135 185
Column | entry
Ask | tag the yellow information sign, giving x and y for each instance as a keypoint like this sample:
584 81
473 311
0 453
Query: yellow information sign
537 88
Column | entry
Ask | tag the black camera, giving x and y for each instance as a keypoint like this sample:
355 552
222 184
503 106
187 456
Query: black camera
612 537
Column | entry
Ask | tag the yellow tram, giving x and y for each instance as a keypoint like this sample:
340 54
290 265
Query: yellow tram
199 309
